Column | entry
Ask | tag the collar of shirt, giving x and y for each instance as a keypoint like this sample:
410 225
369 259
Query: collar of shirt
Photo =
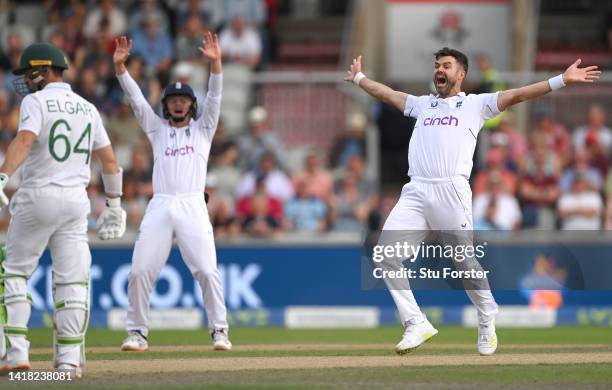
58 84
450 98
184 127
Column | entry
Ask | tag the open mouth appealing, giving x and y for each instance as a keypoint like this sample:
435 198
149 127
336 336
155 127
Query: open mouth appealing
440 80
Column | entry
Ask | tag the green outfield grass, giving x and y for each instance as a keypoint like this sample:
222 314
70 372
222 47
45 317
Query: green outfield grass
388 334
279 345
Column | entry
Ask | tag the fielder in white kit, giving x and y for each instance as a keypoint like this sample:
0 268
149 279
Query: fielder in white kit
57 135
438 196
181 145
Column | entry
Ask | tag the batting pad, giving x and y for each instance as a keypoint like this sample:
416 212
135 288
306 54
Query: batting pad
70 322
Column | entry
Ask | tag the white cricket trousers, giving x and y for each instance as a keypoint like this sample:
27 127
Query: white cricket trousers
435 204
186 217
56 216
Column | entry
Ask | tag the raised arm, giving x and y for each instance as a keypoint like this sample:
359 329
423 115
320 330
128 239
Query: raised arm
573 74
212 53
378 90
142 110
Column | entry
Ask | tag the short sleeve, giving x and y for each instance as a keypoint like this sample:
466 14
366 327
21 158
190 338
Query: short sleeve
100 135
488 105
413 105
30 115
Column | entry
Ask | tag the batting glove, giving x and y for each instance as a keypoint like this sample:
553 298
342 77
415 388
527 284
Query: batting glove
4 200
111 223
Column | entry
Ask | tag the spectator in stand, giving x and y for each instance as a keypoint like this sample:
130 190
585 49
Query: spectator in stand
10 57
220 209
356 167
582 208
489 82
595 131
259 212
89 88
9 115
580 167
210 12
240 43
488 221
106 12
596 153
260 140
556 137
538 187
306 212
276 182
142 10
350 208
100 45
318 183
252 11
154 46
351 143
226 171
505 214
495 168
608 193
124 124
189 38
135 205
74 39
9 60
142 172
219 144
512 140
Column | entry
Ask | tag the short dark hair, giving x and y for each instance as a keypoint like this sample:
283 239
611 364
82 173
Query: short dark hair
58 71
456 54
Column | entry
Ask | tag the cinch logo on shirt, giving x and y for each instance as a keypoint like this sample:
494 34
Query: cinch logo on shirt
182 151
447 121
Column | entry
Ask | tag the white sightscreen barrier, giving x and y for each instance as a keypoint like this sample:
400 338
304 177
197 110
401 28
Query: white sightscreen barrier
417 29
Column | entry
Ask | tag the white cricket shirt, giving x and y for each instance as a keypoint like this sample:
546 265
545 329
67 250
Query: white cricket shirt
444 137
68 128
180 155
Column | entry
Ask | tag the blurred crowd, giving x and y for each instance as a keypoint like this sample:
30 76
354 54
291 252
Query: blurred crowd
545 177
548 177
253 189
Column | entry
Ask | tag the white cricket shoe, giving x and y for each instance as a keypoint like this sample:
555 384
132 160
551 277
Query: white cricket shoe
75 372
417 332
220 340
135 342
487 339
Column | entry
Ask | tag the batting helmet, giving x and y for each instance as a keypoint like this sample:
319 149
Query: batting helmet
39 55
179 89
33 60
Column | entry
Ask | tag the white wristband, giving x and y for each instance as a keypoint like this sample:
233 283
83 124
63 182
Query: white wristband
358 77
556 82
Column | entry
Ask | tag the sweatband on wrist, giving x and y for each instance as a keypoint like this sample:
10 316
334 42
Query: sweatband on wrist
358 77
113 202
556 82
113 183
